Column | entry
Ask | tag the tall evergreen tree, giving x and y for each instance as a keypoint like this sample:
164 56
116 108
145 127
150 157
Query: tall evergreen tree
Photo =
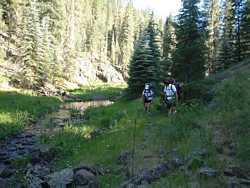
155 43
227 42
169 44
245 30
212 14
127 36
238 12
142 67
189 56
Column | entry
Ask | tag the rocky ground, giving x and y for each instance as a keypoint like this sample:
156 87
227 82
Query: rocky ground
24 162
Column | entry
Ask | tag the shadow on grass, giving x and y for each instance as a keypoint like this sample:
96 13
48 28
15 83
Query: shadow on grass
17 110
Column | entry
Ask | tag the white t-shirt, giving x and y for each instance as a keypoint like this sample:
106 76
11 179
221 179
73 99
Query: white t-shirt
170 91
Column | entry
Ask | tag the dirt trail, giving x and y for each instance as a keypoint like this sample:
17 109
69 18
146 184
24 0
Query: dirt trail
25 147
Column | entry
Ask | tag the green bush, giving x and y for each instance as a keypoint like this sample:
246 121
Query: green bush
200 90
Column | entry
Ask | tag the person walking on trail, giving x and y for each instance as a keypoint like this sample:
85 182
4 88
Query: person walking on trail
170 96
147 96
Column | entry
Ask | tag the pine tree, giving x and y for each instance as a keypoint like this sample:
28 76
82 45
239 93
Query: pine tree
33 72
245 31
238 12
212 15
189 56
142 67
168 47
127 37
2 29
226 55
155 44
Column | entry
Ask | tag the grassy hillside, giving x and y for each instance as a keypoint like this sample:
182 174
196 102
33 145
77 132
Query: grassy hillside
19 109
220 130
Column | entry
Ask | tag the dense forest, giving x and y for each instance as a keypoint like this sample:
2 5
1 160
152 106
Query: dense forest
43 39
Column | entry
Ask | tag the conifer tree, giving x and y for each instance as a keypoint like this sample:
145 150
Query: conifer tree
155 43
127 36
226 55
168 47
238 13
212 14
245 31
189 56
142 67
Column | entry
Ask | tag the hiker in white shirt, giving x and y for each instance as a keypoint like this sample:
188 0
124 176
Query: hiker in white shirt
170 96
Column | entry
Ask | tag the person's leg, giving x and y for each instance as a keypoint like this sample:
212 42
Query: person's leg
145 106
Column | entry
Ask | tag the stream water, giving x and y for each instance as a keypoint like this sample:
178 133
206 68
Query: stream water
26 144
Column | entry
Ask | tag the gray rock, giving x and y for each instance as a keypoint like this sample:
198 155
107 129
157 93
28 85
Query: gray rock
245 182
84 177
209 172
161 169
61 179
97 171
47 153
232 184
33 181
39 170
2 168
236 171
176 162
124 157
7 172
3 183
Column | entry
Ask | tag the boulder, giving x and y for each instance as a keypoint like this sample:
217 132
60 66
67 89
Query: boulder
97 171
47 153
2 168
33 181
61 179
3 183
236 171
209 172
86 178
124 157
107 73
87 72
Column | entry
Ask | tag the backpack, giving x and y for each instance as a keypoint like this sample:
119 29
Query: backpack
178 88
148 94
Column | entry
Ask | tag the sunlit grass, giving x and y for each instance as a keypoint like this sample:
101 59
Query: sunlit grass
19 109
100 91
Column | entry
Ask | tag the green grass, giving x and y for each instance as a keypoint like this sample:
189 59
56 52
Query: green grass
98 91
18 110
191 129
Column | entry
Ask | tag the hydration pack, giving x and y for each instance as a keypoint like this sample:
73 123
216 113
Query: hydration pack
148 94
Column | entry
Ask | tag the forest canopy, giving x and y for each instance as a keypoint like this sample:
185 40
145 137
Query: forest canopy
42 39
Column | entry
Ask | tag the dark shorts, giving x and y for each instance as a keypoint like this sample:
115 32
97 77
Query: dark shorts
170 103
147 101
